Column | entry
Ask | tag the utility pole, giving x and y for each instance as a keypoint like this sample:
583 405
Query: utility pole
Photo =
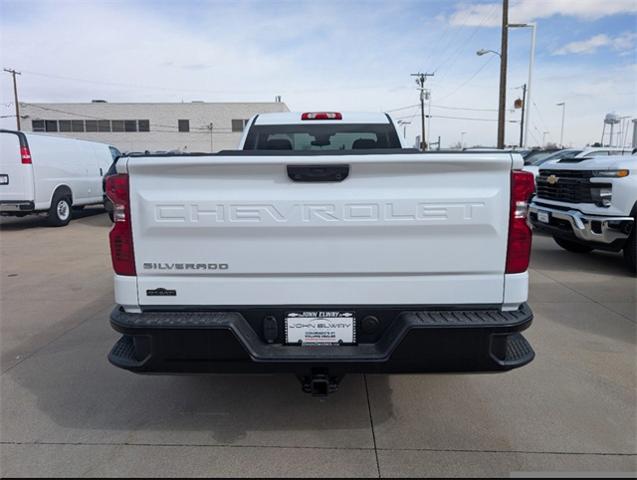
428 94
420 81
522 117
563 105
15 95
503 72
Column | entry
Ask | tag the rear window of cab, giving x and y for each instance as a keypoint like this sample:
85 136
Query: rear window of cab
325 137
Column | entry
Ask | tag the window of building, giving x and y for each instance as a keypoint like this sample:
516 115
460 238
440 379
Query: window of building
143 125
98 125
183 125
239 124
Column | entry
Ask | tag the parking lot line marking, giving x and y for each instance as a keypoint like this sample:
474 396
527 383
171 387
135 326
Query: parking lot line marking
371 422
286 447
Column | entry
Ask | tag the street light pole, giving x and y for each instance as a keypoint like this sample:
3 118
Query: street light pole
527 122
563 105
533 27
404 123
462 134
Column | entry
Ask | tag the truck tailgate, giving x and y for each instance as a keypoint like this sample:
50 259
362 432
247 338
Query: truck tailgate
418 229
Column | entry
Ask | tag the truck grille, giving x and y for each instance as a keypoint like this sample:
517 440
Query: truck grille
571 186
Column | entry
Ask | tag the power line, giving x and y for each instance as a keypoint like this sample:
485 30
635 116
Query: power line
482 67
454 56
170 89
466 118
466 108
453 118
403 108
440 39
537 109
534 137
445 107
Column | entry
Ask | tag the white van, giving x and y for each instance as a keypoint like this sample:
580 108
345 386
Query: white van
40 173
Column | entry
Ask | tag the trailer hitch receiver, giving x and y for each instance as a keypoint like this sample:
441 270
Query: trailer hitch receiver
320 383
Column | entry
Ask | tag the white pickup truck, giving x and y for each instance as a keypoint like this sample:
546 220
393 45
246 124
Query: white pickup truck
319 248
589 203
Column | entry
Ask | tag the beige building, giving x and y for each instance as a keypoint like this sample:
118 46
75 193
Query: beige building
189 127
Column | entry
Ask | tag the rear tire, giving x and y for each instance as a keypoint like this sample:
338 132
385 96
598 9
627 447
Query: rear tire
572 246
630 252
60 211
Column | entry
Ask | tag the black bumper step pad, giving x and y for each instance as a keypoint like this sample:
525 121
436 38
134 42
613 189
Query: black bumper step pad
518 350
441 340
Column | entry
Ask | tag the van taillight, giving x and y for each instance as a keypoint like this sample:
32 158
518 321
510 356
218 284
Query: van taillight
519 244
121 237
25 154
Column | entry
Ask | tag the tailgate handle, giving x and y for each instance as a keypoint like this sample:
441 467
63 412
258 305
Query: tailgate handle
318 173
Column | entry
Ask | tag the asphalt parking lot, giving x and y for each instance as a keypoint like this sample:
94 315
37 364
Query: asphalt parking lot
65 411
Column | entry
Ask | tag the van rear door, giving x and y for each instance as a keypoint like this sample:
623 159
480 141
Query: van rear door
16 170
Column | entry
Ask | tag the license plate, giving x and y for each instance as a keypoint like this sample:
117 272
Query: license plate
320 328
543 217
4 179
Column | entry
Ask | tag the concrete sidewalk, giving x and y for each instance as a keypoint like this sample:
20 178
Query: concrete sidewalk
65 411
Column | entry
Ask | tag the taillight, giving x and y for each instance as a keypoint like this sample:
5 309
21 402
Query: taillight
121 237
321 116
519 244
25 154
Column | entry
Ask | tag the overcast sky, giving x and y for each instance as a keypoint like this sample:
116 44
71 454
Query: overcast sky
331 55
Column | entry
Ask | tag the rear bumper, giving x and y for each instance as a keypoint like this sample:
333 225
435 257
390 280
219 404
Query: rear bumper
10 206
582 227
415 341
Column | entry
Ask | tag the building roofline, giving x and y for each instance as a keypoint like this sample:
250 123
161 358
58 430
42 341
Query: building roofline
154 103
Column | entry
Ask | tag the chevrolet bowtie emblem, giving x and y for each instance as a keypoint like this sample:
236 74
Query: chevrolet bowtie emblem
552 179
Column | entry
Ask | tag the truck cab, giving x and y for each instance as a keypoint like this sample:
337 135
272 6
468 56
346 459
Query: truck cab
589 203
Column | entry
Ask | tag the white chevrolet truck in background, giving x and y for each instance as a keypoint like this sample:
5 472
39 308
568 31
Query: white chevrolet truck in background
588 204
319 248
